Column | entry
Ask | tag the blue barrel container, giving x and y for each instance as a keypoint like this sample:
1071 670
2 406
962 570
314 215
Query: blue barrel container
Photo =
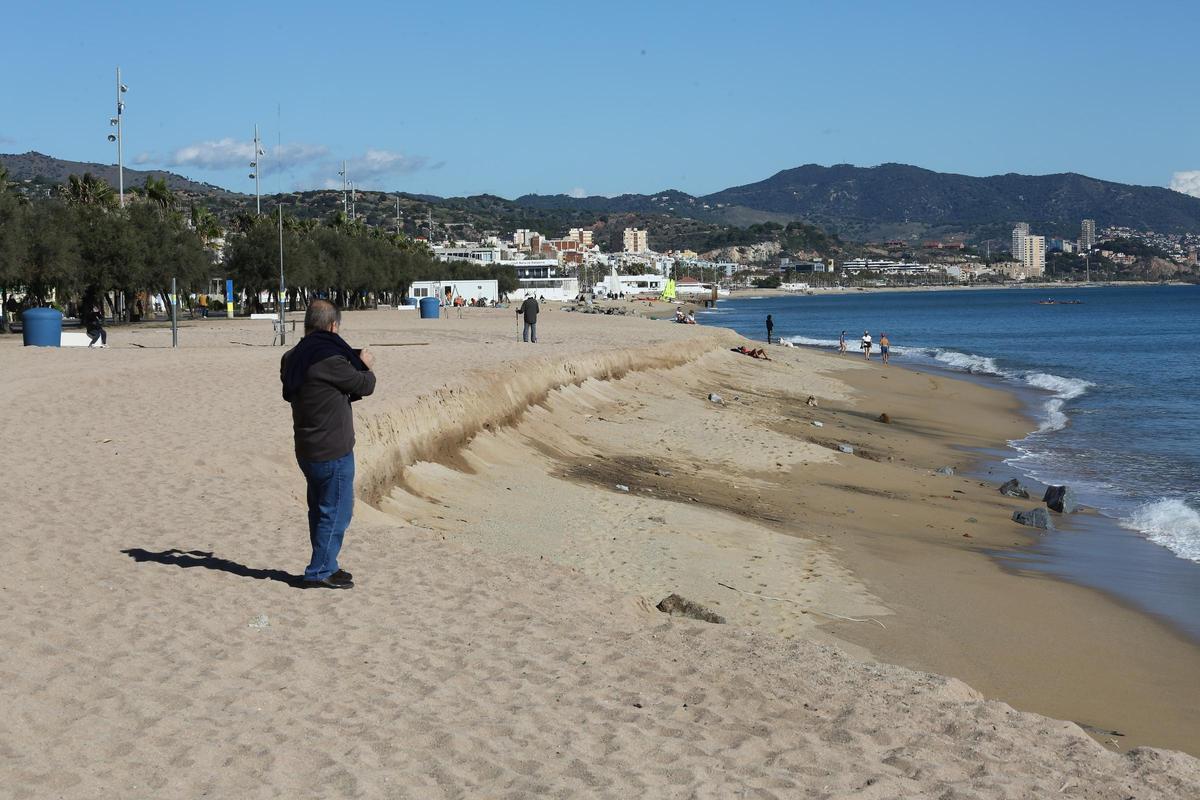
415 302
429 308
41 327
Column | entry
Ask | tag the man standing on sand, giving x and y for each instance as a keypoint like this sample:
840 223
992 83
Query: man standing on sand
530 309
770 328
321 377
866 344
884 347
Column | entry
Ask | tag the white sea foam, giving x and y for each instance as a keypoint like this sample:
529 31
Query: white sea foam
1171 523
968 362
1061 389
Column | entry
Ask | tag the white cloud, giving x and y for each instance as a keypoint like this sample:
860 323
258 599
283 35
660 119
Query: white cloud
229 153
1187 181
371 166
577 192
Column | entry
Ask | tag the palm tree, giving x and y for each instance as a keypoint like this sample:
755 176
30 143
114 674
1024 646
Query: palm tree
206 224
158 193
88 191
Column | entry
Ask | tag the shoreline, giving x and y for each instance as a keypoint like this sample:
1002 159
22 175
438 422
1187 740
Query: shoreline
748 294
534 505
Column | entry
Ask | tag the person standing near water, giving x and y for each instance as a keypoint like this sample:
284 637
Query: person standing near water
530 311
842 343
322 376
884 347
770 328
866 344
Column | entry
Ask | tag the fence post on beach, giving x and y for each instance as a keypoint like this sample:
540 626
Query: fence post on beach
174 315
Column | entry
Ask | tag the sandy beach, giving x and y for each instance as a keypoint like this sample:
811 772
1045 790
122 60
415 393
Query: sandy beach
521 512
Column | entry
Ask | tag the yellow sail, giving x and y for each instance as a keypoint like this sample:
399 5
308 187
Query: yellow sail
668 292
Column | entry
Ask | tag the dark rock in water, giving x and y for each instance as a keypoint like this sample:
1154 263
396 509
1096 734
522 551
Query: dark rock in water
1060 499
1034 518
947 471
677 606
885 419
1013 488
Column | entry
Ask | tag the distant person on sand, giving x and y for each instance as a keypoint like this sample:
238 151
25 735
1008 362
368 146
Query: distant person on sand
842 343
866 344
322 376
530 311
691 317
95 327
770 328
884 346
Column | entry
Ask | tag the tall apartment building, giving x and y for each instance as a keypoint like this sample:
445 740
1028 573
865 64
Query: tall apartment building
1033 250
636 241
1018 241
1087 238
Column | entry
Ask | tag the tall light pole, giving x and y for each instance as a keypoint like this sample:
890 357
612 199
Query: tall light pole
282 286
119 138
397 215
256 164
345 185
353 202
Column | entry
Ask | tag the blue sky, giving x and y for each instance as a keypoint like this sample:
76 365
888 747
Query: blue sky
459 97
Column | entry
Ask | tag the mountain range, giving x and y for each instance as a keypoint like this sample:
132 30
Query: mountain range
889 201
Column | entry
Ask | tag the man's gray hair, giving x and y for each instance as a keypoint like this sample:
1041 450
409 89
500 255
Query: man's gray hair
320 315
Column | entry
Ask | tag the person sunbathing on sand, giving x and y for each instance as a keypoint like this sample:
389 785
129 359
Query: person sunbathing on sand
755 353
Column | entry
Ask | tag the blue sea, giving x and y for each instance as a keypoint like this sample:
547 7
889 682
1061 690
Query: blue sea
1113 382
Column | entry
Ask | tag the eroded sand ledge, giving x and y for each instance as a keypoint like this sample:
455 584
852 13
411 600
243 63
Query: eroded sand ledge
455 669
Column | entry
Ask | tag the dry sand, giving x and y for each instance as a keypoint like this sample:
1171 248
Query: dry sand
501 641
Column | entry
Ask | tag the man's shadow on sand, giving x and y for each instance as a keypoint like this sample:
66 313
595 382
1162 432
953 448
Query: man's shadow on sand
198 558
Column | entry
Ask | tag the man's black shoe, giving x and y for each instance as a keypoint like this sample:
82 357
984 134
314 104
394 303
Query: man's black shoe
341 575
327 583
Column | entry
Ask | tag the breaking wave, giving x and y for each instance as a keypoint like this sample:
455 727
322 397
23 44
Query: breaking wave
1061 389
1171 523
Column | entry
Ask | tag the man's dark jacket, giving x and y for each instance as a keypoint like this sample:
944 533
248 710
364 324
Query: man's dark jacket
321 394
530 310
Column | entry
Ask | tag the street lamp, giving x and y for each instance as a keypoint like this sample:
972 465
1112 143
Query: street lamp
353 202
345 183
255 165
118 137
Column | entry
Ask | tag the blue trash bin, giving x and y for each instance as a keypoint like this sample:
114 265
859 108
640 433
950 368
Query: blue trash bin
41 327
429 308
415 302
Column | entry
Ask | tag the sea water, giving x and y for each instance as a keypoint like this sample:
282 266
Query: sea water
1115 382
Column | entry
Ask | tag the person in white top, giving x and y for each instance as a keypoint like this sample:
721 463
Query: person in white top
866 344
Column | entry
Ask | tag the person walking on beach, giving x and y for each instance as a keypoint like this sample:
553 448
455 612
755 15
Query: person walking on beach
321 377
884 347
842 343
95 327
770 328
530 311
866 344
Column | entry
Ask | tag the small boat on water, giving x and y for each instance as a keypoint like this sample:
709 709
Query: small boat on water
1049 301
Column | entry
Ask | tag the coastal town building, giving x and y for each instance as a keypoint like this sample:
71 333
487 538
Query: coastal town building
636 241
581 235
1034 256
1018 240
1087 236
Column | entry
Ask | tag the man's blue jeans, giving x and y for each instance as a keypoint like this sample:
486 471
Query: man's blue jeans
530 330
330 504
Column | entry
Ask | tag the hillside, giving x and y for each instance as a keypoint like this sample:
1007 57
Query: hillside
890 201
901 201
34 166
